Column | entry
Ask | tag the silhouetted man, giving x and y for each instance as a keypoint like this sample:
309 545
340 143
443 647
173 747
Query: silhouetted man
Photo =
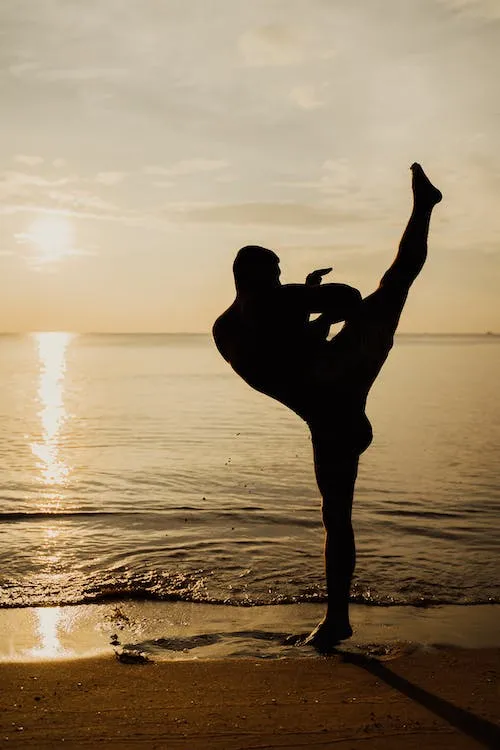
268 339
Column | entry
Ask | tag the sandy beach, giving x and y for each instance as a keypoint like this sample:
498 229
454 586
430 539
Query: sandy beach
201 676
412 698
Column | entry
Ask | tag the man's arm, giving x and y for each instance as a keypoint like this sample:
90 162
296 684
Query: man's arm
338 301
315 277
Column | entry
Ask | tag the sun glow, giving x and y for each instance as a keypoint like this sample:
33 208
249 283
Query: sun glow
52 236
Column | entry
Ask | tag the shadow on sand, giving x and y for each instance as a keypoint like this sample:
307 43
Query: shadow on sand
481 730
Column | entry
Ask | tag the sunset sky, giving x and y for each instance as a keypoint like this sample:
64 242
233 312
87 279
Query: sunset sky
144 141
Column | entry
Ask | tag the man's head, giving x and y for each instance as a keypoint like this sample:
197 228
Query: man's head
256 268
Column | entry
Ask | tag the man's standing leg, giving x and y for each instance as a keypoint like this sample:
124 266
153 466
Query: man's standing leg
336 473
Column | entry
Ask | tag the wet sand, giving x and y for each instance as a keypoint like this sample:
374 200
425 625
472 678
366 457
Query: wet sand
412 698
186 630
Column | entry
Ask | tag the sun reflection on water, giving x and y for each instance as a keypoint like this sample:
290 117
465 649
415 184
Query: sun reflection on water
50 550
49 621
52 358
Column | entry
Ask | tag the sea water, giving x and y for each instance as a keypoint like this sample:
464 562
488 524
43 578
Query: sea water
142 467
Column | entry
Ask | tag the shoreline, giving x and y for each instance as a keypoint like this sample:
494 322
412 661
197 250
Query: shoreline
168 631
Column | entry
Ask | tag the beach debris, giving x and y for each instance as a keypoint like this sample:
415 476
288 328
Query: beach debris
387 651
132 657
120 618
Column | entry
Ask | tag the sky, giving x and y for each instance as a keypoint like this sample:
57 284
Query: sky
145 141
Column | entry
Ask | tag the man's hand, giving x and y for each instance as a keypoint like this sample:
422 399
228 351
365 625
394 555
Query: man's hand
314 278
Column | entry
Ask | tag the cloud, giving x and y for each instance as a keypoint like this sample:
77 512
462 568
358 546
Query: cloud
342 248
78 199
187 167
21 69
110 178
273 214
64 192
59 163
11 209
128 219
336 177
20 192
16 184
86 206
163 184
29 161
307 97
480 8
271 45
82 74
35 70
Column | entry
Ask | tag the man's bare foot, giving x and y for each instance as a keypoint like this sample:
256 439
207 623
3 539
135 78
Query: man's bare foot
424 192
326 636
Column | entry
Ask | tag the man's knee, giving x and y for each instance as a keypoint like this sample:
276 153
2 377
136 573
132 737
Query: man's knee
336 516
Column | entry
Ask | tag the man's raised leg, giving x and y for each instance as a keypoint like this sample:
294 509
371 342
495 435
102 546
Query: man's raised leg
364 343
412 251
366 339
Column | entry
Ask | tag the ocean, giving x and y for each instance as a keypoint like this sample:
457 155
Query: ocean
140 467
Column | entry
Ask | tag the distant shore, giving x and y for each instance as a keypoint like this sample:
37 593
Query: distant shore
399 334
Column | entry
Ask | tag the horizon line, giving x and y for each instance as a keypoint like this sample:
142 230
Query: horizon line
207 333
